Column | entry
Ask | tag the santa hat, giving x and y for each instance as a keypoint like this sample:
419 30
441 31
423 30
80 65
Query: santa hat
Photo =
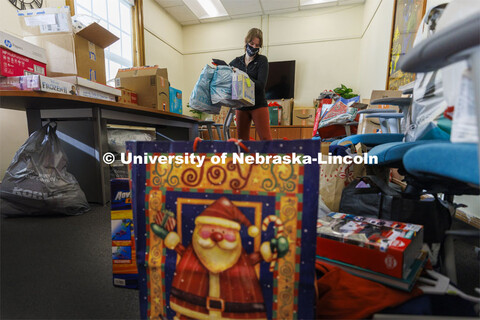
225 214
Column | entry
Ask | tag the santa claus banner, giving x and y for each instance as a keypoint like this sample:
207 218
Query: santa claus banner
225 240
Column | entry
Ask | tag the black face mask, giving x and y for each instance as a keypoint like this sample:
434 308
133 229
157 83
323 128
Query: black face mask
251 51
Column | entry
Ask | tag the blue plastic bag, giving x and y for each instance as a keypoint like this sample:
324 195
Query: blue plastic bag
200 98
221 86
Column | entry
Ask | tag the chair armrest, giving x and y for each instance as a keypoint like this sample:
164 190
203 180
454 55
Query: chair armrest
385 115
393 101
368 111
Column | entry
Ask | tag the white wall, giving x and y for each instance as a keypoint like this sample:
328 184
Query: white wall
375 46
164 42
323 42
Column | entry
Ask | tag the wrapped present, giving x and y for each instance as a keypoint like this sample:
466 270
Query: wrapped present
383 246
226 239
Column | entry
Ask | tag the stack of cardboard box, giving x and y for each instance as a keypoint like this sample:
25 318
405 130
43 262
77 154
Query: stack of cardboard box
150 84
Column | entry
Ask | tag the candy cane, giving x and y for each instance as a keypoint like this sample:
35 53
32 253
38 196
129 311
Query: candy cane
279 228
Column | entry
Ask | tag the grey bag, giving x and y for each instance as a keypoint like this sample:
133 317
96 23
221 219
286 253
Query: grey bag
37 181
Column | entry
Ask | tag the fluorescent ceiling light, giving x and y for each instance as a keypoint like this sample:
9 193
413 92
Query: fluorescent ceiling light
205 9
313 2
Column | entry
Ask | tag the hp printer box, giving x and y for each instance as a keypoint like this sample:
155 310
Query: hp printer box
124 262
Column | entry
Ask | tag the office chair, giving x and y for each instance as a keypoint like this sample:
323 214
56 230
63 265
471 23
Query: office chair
450 168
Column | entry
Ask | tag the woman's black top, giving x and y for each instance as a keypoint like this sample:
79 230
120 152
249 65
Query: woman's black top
257 70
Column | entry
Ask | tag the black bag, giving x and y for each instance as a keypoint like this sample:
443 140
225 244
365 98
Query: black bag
37 181
383 202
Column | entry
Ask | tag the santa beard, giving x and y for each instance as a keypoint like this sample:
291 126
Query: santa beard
216 256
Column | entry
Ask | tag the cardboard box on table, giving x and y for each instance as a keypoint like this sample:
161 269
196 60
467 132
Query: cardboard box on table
372 125
128 97
150 84
303 116
176 101
80 53
20 58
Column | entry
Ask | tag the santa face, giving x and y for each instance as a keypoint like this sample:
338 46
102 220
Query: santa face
218 248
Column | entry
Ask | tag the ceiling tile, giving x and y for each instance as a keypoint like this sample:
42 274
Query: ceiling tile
246 15
345 2
276 5
169 3
190 22
236 7
215 19
181 13
280 11
318 5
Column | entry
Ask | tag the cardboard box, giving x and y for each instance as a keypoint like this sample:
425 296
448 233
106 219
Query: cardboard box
150 84
80 54
303 116
22 47
372 125
388 247
243 89
124 262
175 101
37 83
128 97
13 64
90 89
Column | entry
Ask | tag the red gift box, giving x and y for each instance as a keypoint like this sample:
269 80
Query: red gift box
13 64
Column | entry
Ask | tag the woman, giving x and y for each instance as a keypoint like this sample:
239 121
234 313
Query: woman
256 66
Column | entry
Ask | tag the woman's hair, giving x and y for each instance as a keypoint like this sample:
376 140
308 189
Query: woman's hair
254 33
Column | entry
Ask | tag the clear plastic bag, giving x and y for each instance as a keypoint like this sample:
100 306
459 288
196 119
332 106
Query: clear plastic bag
37 181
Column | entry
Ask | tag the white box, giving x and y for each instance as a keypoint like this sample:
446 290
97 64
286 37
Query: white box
79 81
37 83
22 47
94 94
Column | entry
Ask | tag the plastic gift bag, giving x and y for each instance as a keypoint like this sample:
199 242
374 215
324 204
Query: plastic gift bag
37 181
200 98
334 177
226 240
338 114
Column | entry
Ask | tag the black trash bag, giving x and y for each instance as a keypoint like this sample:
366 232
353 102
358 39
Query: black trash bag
37 181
